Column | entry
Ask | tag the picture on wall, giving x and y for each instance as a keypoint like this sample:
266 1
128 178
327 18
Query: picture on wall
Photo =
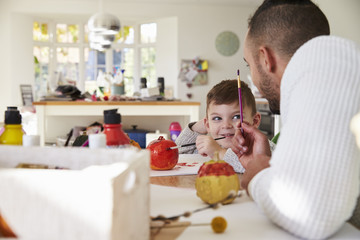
194 72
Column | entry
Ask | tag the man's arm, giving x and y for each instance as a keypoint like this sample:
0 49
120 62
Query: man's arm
312 184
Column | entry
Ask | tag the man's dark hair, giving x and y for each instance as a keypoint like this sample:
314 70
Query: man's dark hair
285 25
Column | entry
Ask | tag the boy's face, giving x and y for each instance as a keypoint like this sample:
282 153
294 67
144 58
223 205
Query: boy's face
221 121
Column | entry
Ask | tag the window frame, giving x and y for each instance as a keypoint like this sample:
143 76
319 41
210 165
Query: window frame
82 45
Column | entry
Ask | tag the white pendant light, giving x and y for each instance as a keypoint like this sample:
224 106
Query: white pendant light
104 23
102 29
95 37
99 46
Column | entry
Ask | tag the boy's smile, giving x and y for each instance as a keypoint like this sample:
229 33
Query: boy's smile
221 121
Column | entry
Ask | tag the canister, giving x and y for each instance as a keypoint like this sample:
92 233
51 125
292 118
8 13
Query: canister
138 135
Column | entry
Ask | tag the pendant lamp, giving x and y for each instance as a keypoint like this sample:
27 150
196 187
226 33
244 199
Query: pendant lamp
102 29
104 23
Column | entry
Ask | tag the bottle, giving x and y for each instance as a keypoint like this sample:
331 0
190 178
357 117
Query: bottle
143 83
161 85
13 133
175 130
115 136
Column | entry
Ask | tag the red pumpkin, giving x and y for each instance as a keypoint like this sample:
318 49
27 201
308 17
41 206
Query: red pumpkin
161 156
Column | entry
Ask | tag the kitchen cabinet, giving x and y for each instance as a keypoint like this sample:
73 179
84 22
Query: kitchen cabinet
71 112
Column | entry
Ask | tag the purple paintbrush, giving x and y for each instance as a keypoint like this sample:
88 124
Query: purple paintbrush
240 102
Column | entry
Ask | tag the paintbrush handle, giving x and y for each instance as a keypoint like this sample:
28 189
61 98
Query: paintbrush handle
191 144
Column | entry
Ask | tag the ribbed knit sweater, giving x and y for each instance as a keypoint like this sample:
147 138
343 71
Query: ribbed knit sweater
312 184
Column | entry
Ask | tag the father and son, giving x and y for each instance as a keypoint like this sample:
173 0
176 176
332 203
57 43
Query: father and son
309 185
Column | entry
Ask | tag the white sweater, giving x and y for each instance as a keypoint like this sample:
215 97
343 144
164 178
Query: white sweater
312 185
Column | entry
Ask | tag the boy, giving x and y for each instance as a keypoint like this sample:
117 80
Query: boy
222 114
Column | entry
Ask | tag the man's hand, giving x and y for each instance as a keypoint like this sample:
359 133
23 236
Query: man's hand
207 146
253 150
249 145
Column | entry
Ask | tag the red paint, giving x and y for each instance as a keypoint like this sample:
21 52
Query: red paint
161 157
216 169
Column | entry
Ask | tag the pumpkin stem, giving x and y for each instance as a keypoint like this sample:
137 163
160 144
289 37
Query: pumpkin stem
216 156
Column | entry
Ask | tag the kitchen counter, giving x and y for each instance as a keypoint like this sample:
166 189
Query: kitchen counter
54 110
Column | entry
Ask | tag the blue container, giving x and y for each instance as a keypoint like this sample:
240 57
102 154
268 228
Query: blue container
138 135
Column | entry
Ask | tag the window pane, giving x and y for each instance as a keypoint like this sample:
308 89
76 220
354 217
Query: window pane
86 33
41 69
148 33
129 35
41 54
40 32
125 35
100 58
116 57
90 64
129 70
148 65
67 33
68 63
73 33
61 33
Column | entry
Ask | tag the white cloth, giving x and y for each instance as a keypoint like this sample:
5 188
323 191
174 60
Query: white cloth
312 185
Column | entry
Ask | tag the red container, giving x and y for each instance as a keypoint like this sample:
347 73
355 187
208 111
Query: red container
115 136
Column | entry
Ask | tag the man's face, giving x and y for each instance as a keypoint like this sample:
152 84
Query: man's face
267 86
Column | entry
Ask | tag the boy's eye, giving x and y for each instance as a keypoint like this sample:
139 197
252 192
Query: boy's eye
236 117
216 118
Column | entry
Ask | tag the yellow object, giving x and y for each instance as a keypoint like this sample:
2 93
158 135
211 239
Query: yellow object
204 65
218 224
12 134
135 144
214 189
217 184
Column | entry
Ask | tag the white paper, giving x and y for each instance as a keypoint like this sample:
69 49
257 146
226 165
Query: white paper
188 164
191 74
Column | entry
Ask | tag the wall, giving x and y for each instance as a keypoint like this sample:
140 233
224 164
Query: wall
343 16
197 27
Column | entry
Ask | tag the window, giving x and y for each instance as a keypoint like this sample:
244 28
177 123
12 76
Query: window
62 54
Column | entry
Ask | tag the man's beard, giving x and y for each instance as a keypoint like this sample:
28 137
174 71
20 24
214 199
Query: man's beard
268 90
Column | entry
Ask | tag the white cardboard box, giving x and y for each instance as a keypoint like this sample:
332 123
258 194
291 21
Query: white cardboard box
104 196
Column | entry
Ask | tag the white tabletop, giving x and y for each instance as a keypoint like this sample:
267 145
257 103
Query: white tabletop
245 221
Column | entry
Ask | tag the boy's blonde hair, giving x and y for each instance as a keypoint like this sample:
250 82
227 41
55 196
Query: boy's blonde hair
226 92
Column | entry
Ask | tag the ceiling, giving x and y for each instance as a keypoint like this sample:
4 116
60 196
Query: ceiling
177 2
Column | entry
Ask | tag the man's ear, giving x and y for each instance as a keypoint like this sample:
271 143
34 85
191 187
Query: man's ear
257 120
267 59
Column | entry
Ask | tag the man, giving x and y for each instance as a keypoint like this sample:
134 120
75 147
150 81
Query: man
310 184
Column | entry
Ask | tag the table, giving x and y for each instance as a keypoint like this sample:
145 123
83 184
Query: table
172 195
74 109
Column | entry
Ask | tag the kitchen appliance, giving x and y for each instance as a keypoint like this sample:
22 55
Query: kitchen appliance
267 125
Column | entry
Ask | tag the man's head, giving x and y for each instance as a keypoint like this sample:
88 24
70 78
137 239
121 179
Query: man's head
223 112
276 30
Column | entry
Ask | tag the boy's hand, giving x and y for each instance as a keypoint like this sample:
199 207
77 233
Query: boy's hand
207 146
200 127
253 143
